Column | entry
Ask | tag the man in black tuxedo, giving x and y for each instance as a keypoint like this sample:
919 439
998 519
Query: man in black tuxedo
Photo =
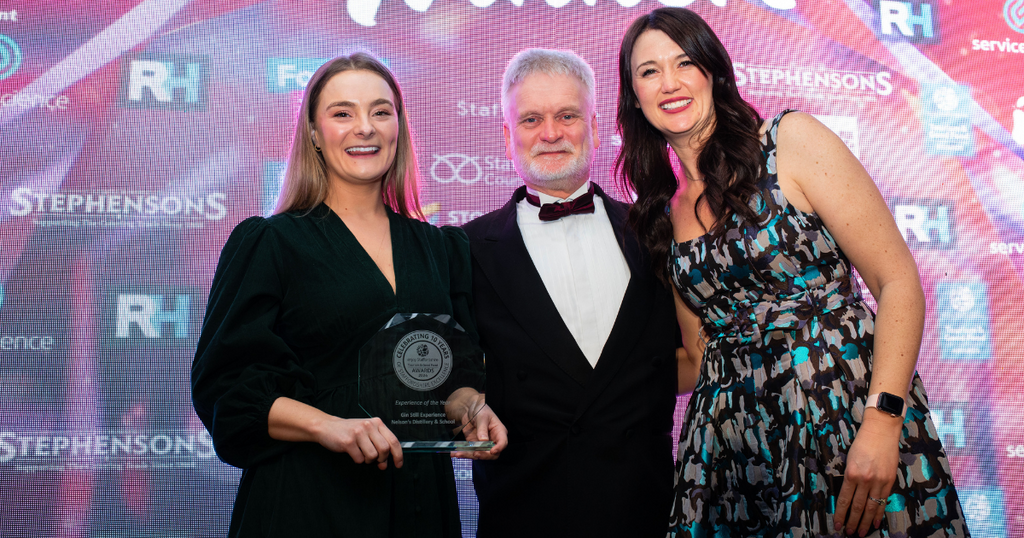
580 336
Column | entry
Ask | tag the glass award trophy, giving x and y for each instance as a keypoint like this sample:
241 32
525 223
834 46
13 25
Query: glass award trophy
410 375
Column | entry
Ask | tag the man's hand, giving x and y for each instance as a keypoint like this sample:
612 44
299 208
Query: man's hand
479 423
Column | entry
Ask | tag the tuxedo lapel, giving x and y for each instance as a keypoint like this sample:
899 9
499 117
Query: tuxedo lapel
635 310
502 256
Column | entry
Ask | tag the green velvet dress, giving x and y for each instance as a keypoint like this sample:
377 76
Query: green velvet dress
293 299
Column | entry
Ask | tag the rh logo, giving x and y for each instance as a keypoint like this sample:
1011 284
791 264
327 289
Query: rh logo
150 317
925 223
910 21
164 81
950 424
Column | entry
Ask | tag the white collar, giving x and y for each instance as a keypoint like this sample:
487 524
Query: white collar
548 199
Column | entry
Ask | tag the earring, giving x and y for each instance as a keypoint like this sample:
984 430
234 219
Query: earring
312 138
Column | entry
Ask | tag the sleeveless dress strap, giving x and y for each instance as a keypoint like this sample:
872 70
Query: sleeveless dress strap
768 141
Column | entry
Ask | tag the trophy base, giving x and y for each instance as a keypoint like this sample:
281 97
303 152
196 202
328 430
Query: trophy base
446 446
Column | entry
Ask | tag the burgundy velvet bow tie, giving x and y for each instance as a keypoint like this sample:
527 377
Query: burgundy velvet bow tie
548 212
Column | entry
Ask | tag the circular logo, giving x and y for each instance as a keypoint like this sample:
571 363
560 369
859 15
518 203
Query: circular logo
10 57
422 360
1013 12
945 98
977 507
452 167
962 299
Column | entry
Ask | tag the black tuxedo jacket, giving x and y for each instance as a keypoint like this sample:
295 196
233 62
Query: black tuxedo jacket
590 448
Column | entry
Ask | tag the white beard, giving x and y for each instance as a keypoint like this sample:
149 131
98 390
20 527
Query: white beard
568 177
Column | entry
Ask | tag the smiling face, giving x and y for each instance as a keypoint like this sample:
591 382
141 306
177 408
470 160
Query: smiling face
356 127
551 132
673 93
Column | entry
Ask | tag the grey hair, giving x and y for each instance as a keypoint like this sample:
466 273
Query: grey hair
550 62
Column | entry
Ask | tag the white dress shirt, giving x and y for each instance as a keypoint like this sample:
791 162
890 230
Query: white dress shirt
582 266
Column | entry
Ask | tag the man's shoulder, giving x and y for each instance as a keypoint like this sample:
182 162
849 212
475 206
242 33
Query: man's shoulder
606 195
616 209
613 205
487 223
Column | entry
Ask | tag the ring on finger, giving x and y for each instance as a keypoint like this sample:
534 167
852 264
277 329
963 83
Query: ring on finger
881 502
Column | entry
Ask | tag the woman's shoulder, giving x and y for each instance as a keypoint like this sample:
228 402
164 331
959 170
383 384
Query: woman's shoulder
258 230
444 234
246 236
249 228
796 126
798 135
790 117
297 221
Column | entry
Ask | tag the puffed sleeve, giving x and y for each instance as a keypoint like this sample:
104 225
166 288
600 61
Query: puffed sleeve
466 373
241 366
460 276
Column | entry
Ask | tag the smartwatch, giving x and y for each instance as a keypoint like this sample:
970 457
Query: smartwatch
888 403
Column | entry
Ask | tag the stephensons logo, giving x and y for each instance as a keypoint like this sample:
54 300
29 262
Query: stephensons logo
820 84
128 209
103 449
364 12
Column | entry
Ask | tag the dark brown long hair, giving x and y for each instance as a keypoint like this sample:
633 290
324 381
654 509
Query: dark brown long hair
730 158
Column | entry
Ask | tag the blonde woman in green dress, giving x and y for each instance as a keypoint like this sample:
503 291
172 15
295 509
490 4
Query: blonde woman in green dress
294 298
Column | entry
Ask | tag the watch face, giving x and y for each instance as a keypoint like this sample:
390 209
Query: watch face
890 403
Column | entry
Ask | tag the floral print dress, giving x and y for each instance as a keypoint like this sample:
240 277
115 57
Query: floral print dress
783 384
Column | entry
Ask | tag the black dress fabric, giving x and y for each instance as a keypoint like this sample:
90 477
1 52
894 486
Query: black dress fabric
293 300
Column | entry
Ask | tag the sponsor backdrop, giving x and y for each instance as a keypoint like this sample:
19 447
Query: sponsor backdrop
135 134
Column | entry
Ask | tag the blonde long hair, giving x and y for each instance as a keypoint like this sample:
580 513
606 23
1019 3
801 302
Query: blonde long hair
305 180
